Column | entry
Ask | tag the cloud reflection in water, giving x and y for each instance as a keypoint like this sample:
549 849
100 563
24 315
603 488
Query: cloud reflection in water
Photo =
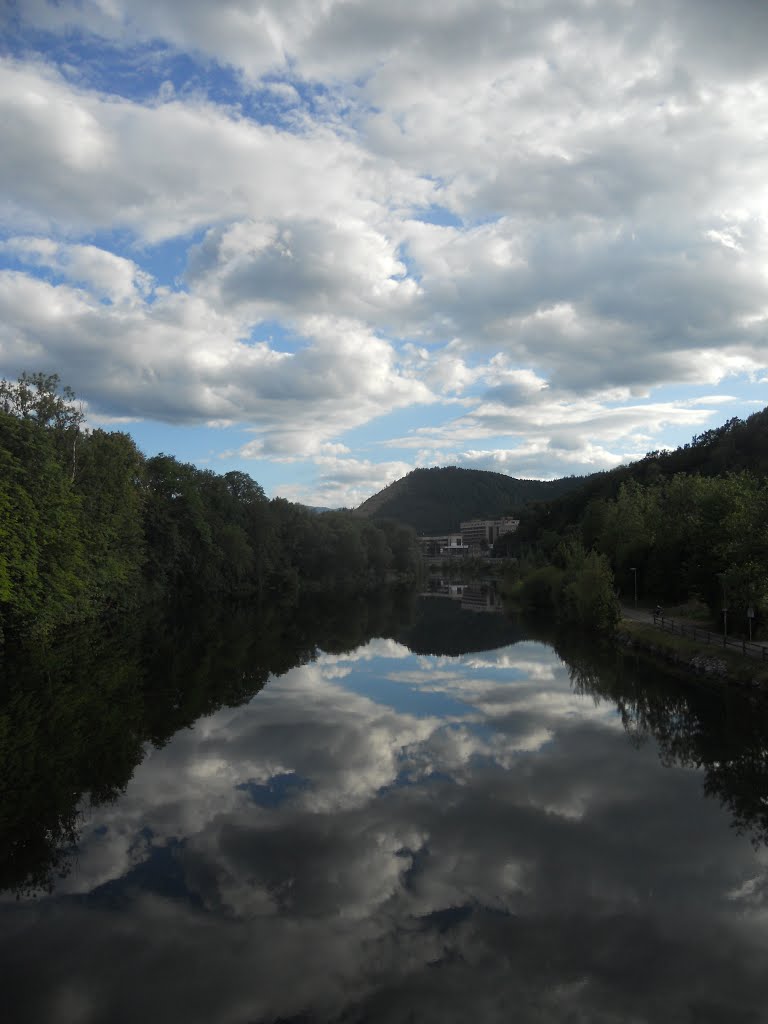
383 834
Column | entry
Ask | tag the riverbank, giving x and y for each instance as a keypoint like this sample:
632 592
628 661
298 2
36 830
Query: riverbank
686 656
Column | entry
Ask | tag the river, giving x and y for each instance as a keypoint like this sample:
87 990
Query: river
412 811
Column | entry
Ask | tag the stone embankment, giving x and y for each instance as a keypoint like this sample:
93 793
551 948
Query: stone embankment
693 650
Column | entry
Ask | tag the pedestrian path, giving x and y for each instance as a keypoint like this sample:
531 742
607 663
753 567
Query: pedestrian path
695 631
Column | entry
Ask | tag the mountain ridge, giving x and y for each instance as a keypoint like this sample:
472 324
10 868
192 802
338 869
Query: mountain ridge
437 499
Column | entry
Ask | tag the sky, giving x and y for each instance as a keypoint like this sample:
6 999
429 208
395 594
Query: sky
326 242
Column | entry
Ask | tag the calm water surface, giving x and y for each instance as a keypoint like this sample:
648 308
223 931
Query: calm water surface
385 833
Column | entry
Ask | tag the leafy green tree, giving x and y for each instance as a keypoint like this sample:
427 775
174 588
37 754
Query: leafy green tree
541 590
109 482
587 598
40 398
402 542
378 553
44 568
177 532
88 525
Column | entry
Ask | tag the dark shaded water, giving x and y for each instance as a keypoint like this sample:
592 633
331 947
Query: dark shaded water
402 811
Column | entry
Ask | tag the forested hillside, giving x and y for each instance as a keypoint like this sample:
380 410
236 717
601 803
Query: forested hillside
436 500
688 524
736 445
88 524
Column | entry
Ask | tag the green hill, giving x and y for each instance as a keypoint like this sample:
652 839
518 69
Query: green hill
436 500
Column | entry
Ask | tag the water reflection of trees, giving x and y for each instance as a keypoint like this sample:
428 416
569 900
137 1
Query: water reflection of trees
716 728
443 627
75 717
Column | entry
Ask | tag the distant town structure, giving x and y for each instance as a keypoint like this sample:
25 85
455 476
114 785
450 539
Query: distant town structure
446 545
488 531
475 535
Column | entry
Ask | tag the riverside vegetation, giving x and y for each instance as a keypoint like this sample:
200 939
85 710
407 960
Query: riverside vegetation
89 525
688 527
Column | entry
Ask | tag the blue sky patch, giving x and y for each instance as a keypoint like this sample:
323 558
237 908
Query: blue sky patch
571 300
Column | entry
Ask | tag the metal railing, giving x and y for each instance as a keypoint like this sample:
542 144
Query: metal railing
747 647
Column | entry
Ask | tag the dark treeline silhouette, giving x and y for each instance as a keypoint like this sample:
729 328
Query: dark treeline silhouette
688 524
88 524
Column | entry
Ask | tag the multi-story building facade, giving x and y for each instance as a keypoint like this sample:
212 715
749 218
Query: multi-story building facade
444 545
486 531
475 534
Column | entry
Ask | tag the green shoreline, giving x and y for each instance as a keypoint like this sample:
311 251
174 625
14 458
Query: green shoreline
686 657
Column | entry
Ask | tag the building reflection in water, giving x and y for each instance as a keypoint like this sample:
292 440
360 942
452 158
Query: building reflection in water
474 597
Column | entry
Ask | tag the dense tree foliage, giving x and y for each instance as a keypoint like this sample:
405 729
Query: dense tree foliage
88 524
689 524
436 500
736 446
688 536
576 589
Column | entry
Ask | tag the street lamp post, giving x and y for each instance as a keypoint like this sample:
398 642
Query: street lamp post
633 569
721 577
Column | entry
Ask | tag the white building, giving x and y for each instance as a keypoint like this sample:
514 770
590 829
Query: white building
445 545
488 531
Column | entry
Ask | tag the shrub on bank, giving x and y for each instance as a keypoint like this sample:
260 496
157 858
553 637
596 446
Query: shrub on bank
579 591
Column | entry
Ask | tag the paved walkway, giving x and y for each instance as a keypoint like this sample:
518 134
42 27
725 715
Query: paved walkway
636 614
646 615
695 630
